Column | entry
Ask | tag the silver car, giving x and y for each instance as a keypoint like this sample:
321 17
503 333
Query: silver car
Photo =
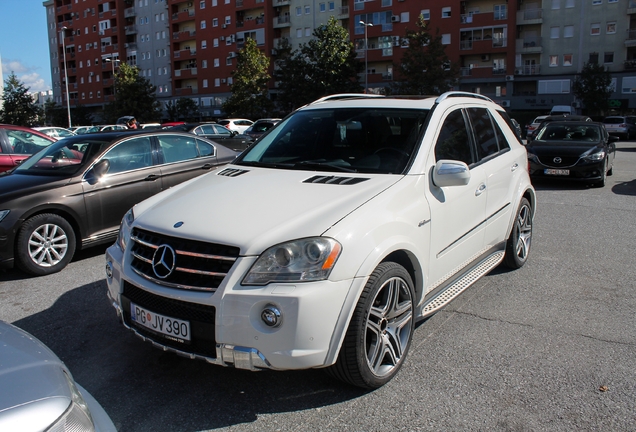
37 391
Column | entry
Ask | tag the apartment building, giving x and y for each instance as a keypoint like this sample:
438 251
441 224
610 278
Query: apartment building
524 54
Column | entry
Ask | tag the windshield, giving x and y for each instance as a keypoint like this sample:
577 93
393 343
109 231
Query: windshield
366 140
561 133
65 157
614 120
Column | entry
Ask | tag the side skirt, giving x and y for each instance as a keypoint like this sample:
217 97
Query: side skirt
440 297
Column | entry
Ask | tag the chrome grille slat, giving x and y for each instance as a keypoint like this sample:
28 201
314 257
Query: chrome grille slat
197 265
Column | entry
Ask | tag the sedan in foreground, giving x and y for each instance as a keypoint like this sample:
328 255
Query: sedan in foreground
37 391
581 151
74 193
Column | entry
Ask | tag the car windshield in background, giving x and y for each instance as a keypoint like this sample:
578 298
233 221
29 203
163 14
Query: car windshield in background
66 157
366 140
563 133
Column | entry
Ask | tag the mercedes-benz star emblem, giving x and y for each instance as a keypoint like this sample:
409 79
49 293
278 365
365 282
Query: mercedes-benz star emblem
163 261
557 160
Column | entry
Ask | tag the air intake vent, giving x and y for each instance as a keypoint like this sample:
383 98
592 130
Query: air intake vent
232 172
336 180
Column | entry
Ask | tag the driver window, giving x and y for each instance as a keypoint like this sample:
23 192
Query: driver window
222 131
453 142
130 155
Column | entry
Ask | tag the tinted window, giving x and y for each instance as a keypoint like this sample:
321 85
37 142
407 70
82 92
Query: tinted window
205 149
222 131
23 142
129 155
177 148
205 130
484 132
453 142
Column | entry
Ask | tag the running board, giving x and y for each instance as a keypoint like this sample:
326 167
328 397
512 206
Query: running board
444 297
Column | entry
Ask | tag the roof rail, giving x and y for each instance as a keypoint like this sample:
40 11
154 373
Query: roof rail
339 96
461 94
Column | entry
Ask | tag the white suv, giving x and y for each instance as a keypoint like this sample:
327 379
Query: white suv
324 243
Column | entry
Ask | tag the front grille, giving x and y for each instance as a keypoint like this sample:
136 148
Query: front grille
201 318
566 161
197 265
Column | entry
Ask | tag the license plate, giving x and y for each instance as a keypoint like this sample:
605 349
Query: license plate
562 172
171 328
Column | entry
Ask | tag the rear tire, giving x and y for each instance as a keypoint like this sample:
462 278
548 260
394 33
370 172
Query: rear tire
45 244
380 331
520 240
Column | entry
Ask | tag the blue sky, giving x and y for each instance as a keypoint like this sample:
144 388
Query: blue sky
24 43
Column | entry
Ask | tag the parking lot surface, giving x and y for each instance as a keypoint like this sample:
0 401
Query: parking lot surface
548 347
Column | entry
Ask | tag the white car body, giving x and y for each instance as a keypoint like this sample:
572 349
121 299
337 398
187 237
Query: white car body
236 124
433 231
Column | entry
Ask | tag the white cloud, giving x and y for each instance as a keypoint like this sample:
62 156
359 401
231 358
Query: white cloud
26 74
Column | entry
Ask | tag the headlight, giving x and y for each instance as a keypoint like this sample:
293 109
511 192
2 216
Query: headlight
590 155
3 214
77 417
303 260
124 229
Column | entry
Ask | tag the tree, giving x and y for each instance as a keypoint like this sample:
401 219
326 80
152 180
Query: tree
19 107
425 68
54 114
592 87
249 89
134 95
325 65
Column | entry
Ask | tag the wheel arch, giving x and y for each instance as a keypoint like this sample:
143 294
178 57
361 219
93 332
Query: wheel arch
69 215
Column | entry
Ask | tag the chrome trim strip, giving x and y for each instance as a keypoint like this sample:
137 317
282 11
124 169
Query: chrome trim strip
201 272
145 243
172 285
139 257
200 255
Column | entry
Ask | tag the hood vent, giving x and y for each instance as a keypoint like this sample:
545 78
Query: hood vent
335 180
232 172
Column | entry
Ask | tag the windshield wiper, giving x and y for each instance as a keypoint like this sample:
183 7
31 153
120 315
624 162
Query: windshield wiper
323 166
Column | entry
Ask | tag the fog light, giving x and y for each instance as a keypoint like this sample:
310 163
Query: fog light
271 316
109 270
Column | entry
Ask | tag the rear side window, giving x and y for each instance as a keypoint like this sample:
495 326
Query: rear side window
484 132
453 142
178 148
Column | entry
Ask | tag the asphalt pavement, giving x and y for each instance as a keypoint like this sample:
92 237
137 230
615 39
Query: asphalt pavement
550 347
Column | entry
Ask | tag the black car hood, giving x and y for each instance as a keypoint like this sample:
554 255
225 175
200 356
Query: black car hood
16 185
561 148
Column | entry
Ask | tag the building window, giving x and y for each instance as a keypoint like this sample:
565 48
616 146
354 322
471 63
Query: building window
608 57
204 44
204 64
202 24
556 4
387 3
597 2
307 10
568 31
593 59
228 20
217 62
567 59
554 32
446 39
215 42
217 82
611 27
299 33
501 12
205 83
332 6
202 4
554 61
569 3
426 14
215 22
323 7
446 12
307 31
595 29
299 11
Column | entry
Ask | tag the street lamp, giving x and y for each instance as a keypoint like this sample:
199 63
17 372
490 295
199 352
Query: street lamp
366 55
68 102
112 63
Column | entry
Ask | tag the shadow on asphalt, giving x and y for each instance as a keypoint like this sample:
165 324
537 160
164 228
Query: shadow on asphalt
140 386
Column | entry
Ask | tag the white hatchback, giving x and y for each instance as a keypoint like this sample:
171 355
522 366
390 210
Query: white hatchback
238 125
325 242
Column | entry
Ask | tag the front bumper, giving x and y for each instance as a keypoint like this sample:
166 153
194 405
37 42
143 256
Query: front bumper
227 328
585 172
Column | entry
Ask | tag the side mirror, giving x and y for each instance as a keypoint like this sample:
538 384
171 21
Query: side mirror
450 173
101 168
613 138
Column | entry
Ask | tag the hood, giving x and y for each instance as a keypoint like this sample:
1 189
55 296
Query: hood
255 208
39 391
17 185
560 148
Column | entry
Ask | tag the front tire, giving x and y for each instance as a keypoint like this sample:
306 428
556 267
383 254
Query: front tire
45 244
380 331
518 244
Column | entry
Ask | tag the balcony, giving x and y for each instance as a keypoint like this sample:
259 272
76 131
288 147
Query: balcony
185 54
630 64
631 38
183 15
185 73
282 21
482 72
129 12
278 3
631 7
185 91
530 16
343 12
130 29
529 45
183 35
528 70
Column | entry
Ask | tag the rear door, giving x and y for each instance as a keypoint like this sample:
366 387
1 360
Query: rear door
184 157
132 177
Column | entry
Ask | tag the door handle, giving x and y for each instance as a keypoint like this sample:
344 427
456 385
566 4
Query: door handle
207 166
480 189
151 177
514 167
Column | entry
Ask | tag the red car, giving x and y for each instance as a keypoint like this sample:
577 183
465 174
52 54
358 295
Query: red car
18 143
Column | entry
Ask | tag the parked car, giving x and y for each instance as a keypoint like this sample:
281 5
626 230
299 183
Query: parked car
260 127
110 127
18 143
217 133
325 242
79 130
38 391
238 125
531 131
621 126
74 193
516 127
55 132
581 151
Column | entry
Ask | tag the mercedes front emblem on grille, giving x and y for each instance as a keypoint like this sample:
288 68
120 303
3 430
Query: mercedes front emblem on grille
163 261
